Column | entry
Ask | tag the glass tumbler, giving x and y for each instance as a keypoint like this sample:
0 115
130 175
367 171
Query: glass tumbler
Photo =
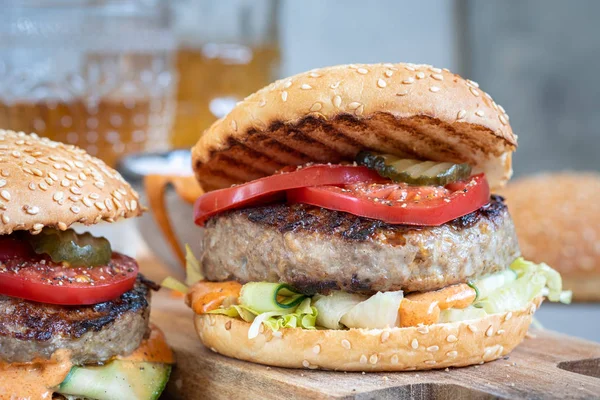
93 73
226 51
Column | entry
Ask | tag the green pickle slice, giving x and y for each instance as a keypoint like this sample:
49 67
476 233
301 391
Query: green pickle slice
75 249
414 172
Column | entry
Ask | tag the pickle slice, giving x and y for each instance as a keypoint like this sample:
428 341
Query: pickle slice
72 248
414 172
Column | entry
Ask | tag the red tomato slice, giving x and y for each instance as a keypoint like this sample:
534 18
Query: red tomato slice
272 187
37 279
399 203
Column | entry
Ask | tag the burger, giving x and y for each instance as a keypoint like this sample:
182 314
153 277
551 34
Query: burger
349 225
557 219
74 315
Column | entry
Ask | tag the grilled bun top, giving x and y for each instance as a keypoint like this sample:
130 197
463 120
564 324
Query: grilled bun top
557 218
45 183
330 114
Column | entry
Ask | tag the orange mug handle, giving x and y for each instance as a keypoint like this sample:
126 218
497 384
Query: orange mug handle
186 187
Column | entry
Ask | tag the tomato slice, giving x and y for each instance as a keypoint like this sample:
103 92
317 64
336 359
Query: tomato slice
399 203
37 278
272 188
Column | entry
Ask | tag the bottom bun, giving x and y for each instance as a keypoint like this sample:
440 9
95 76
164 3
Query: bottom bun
584 286
454 344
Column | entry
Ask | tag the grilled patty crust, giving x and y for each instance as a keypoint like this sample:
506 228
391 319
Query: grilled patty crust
318 250
93 333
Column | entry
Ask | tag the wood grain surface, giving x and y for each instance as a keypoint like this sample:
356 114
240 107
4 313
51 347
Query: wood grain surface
548 365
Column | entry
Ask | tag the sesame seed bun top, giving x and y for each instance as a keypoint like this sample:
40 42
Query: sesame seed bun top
330 114
45 183
557 219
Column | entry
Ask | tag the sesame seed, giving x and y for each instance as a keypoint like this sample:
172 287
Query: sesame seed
420 75
424 329
401 94
5 173
5 218
316 107
65 183
287 84
500 332
489 332
53 176
359 110
31 186
431 362
363 359
75 209
305 86
134 205
394 359
362 71
38 227
414 344
234 125
262 103
385 336
473 328
62 226
284 95
408 80
335 85
87 202
305 363
508 316
373 359
37 171
452 353
354 105
434 89
316 349
472 83
314 75
474 91
2 182
479 113
389 73
410 68
337 101
346 344
437 77
32 210
451 338
433 348
43 186
100 205
5 195
502 119
436 70
381 83
75 190
461 114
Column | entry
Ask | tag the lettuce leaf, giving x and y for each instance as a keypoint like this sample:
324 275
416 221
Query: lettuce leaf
334 306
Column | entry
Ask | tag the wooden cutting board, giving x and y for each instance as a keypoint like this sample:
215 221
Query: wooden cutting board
546 365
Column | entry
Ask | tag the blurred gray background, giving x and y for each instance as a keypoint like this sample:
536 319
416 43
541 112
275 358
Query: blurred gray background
540 59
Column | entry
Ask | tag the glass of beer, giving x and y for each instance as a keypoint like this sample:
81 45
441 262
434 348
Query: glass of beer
227 50
99 74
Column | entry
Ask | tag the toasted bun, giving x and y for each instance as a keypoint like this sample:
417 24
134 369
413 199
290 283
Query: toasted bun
45 183
397 349
557 219
330 114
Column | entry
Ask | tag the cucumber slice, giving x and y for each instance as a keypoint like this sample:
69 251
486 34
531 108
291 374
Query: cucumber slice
117 380
414 172
458 314
488 284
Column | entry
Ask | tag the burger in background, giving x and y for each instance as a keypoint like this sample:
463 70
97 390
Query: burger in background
74 315
557 219
349 225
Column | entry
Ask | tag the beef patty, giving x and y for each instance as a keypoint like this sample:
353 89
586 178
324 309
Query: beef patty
318 250
93 333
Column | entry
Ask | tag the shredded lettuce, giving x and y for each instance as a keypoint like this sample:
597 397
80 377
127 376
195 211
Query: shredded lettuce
302 315
193 272
334 306
171 283
378 311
